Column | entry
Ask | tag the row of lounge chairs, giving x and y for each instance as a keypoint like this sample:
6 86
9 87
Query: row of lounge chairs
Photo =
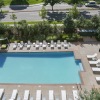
26 96
95 61
43 44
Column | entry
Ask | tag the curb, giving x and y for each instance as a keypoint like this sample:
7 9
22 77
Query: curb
25 5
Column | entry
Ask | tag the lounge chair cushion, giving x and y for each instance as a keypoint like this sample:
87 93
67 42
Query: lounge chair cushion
38 95
97 78
14 94
26 95
51 96
92 56
63 94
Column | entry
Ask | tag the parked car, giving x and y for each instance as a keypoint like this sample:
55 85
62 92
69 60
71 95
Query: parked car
91 4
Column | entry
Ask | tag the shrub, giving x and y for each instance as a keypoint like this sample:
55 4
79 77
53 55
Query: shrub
52 37
74 12
69 25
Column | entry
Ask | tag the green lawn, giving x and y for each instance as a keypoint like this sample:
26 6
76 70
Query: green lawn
15 2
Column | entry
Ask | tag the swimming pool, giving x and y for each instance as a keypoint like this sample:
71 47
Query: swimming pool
39 68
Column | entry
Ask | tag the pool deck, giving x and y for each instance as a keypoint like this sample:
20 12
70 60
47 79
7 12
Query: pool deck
80 49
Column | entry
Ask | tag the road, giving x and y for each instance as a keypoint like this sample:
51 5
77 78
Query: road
31 13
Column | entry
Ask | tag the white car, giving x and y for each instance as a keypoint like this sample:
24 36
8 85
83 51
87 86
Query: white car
91 4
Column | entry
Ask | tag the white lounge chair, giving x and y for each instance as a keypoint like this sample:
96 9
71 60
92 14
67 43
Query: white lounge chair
92 56
26 95
51 95
95 69
38 95
63 95
14 94
15 45
58 44
52 44
98 79
75 95
25 44
21 45
40 44
98 65
44 45
28 45
65 41
33 44
1 93
65 44
37 45
69 44
94 62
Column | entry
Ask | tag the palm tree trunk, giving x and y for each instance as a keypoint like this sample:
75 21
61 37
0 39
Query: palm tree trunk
52 8
1 10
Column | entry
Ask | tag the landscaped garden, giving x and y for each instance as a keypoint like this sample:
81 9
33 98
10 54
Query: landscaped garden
44 31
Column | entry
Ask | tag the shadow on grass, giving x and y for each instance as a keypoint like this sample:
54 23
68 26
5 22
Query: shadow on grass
19 4
59 16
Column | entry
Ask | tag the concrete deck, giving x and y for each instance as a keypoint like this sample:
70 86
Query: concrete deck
80 50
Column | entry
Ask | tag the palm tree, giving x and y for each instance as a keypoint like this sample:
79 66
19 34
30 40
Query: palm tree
13 17
1 4
43 12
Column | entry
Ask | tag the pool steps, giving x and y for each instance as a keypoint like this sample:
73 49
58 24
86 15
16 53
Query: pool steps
81 67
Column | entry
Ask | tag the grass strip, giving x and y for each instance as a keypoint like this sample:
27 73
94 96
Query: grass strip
34 22
22 2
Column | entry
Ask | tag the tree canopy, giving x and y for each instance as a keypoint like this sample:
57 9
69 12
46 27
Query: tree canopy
74 11
52 2
93 94
43 12
69 25
74 1
13 17
1 3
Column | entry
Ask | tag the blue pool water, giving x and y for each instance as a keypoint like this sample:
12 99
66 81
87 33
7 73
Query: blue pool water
39 68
